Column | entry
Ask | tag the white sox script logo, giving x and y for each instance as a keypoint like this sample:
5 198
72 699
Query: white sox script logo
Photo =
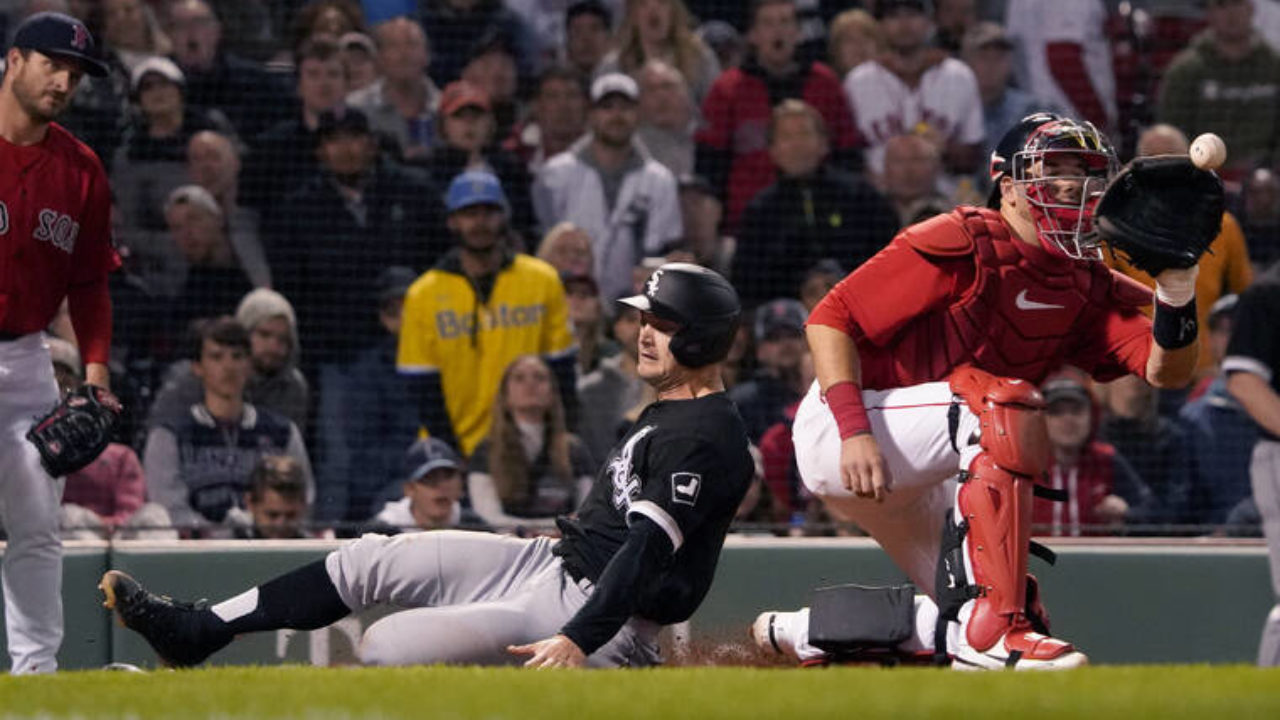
651 287
625 484
4 219
58 229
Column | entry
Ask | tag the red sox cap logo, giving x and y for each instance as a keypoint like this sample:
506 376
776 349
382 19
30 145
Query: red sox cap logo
79 37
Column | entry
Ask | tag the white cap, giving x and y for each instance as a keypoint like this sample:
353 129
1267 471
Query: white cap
614 83
162 66
194 195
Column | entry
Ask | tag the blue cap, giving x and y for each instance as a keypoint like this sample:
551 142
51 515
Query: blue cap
475 187
58 35
429 454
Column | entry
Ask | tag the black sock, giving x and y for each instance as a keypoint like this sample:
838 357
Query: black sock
304 599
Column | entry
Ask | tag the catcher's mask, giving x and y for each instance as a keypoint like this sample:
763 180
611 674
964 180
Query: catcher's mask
1062 198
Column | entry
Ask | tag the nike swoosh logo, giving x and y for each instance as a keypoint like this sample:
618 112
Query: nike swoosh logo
1024 304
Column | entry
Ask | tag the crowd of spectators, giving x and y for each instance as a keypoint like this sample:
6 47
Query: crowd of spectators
383 239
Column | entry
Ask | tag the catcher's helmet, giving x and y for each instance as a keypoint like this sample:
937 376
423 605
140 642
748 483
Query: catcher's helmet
1013 142
704 304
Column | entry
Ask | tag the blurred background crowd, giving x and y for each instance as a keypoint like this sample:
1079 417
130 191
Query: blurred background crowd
286 198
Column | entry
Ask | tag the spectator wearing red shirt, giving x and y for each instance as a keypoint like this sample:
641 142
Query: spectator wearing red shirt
1103 490
732 146
112 488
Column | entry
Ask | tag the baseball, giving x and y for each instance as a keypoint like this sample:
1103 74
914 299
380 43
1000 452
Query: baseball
1208 152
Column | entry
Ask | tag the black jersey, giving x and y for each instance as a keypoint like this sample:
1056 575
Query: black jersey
1255 344
684 464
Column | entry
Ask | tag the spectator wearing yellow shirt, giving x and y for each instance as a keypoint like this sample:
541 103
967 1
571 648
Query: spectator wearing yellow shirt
481 306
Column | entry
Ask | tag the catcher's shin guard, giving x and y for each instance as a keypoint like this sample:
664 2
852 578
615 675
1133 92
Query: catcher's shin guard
982 576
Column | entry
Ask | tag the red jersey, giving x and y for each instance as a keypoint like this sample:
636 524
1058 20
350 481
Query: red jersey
55 239
960 289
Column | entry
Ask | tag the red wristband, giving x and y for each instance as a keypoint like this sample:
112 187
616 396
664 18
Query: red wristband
845 401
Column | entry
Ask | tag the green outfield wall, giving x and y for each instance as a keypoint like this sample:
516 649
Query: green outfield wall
1124 602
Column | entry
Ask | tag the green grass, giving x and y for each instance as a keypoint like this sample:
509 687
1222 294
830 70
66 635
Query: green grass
1170 691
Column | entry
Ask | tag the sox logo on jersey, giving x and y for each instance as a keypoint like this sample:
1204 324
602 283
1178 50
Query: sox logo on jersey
626 485
57 229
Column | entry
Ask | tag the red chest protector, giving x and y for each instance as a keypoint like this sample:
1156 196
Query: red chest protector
1027 312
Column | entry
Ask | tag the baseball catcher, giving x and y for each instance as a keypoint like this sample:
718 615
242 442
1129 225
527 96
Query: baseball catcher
927 360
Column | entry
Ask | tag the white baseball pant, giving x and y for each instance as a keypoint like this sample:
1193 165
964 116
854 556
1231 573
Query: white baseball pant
912 428
29 500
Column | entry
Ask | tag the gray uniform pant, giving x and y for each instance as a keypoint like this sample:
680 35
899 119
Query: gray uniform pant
1264 473
469 595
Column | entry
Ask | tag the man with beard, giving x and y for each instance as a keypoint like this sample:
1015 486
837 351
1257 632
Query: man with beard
481 306
608 185
55 211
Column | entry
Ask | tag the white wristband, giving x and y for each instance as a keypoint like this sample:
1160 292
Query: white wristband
1177 287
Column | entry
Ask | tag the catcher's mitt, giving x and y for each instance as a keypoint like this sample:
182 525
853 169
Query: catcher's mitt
76 431
1161 212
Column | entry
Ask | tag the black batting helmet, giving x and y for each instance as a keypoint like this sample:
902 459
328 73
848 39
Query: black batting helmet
1009 145
704 304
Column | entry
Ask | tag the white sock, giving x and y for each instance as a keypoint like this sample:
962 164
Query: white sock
238 606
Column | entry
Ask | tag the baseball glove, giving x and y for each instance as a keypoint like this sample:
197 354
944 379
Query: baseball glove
76 431
1161 212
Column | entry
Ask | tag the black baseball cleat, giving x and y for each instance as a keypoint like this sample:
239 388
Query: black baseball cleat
175 630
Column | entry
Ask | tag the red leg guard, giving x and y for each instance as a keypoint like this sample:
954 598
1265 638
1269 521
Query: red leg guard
997 506
995 503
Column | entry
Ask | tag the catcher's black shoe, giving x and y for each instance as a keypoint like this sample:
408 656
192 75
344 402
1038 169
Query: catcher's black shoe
175 630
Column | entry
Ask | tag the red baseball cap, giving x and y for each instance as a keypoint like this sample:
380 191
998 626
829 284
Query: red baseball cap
462 94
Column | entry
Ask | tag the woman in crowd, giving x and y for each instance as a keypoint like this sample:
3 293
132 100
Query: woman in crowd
660 30
531 468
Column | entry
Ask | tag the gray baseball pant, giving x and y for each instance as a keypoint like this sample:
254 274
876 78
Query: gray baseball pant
469 595
1264 474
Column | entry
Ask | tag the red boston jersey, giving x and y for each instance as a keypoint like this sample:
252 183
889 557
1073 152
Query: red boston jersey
959 289
55 238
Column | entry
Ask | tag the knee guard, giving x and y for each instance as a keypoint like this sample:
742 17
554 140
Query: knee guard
1011 417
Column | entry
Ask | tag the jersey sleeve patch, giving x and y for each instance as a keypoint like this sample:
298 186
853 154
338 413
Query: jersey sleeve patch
685 487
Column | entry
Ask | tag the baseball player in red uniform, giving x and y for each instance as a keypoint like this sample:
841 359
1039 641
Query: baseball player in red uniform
927 360
54 243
